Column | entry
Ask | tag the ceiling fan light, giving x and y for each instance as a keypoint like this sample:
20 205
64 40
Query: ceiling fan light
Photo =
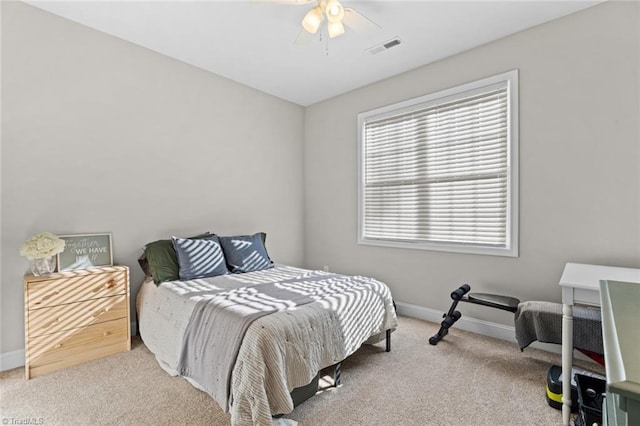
312 20
335 29
334 11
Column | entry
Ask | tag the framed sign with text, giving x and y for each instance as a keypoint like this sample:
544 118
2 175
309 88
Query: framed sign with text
83 251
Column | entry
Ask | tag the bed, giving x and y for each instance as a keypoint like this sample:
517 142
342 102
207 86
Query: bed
300 322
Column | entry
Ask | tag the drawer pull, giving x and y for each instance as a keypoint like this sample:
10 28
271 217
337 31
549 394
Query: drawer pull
58 346
108 286
106 333
48 296
51 323
100 312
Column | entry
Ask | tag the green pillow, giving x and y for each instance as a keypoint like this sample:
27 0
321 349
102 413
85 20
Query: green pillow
161 261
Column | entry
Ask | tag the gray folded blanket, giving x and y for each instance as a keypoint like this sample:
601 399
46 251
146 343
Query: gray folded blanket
542 321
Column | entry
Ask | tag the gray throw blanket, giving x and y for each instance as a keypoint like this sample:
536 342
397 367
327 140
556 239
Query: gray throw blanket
542 321
218 324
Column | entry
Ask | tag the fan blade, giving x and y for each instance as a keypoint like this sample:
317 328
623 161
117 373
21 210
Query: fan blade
358 22
304 37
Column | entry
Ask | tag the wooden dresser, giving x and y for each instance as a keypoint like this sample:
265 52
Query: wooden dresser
76 316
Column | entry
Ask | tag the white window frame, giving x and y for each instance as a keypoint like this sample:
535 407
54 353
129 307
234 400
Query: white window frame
512 237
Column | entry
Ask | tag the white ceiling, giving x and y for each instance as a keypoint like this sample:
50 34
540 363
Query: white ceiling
251 42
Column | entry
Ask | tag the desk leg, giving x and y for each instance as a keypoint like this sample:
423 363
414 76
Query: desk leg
567 361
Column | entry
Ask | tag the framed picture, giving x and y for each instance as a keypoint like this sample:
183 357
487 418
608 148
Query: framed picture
83 251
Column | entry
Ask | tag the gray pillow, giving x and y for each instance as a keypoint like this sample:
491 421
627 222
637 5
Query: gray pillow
199 258
245 253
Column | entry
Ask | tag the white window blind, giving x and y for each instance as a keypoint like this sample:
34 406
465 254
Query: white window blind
437 172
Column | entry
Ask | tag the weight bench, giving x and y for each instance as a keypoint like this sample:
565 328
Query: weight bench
461 294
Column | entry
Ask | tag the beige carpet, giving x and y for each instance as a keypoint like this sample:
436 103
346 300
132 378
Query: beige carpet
467 379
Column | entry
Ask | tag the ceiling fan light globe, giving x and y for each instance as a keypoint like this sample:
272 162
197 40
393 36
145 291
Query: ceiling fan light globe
312 20
336 29
334 11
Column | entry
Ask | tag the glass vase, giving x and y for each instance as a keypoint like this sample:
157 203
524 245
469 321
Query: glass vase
43 266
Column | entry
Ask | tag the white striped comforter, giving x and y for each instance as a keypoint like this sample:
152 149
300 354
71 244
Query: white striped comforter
280 351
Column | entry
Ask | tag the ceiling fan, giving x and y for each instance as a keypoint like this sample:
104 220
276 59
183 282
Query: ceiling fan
337 18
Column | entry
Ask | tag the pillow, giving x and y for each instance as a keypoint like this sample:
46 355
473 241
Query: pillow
144 263
246 253
159 260
199 258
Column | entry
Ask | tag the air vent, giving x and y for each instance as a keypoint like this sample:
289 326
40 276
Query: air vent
384 46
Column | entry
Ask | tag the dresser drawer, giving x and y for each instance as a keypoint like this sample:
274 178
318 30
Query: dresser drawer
75 315
74 288
63 349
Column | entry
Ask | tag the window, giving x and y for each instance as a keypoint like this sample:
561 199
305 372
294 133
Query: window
439 172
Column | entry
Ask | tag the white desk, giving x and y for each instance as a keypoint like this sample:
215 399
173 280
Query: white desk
581 286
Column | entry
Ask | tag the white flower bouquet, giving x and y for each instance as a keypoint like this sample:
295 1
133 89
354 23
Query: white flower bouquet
42 246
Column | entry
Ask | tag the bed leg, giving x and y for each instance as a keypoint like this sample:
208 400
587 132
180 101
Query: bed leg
337 371
388 349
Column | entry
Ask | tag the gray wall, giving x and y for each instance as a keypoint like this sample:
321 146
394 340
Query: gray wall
100 135
579 163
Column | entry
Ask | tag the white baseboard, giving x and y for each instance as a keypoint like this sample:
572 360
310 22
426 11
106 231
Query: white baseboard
486 328
11 360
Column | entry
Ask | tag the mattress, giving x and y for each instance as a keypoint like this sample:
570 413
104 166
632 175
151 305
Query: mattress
280 351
